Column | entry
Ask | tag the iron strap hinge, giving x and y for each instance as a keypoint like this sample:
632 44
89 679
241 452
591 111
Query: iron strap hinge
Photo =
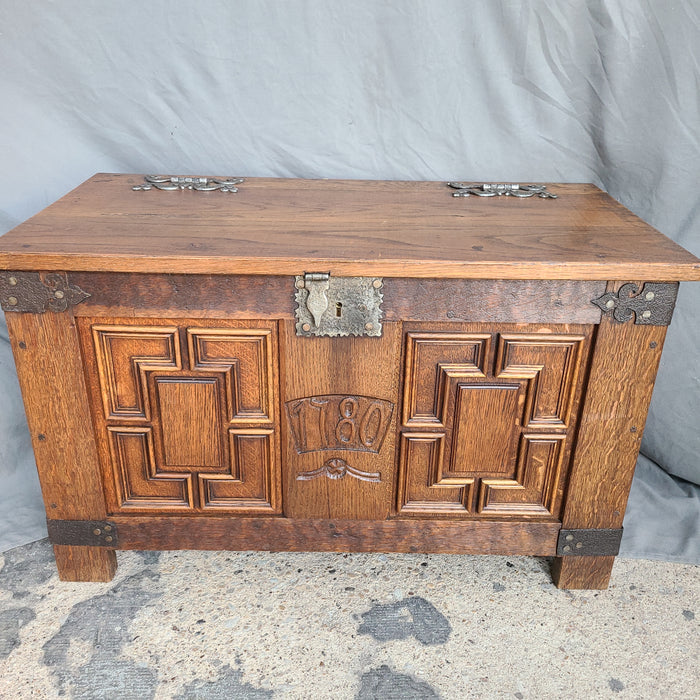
91 533
589 543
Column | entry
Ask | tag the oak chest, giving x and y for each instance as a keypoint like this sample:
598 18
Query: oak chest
337 365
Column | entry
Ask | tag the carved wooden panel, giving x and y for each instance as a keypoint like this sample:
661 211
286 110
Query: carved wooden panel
421 489
433 360
483 420
488 419
124 355
339 399
184 413
189 406
248 484
245 359
140 484
533 490
551 364
339 422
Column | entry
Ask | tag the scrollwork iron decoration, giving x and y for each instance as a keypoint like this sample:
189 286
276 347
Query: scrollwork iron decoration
498 190
651 306
186 182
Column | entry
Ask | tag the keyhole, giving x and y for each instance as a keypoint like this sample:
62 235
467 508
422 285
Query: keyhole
339 309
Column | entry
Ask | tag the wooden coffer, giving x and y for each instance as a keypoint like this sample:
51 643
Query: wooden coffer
337 365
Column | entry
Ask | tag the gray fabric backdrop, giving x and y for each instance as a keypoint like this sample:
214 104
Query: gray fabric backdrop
603 91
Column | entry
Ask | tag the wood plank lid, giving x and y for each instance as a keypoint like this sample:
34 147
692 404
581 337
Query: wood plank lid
346 227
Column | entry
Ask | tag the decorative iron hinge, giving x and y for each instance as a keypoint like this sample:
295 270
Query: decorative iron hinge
38 292
91 533
338 306
189 182
589 543
653 306
497 190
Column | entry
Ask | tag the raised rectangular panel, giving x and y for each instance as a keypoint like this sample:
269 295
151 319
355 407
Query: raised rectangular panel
139 483
483 424
251 484
245 355
552 364
124 354
430 358
419 466
191 423
534 489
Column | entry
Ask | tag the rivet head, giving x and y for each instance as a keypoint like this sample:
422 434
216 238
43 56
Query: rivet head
12 301
646 314
649 296
306 327
299 284
376 284
58 294
610 303
97 531
569 538
12 281
368 326
567 548
108 528
579 545
108 538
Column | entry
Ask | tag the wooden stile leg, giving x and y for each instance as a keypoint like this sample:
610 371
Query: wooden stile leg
582 572
623 369
50 372
85 563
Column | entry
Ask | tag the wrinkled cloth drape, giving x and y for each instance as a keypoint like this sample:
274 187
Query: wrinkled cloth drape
515 91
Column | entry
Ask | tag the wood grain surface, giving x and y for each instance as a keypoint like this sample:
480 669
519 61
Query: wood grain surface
347 227
341 402
623 370
321 535
48 361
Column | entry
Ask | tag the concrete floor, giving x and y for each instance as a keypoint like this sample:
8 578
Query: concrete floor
215 625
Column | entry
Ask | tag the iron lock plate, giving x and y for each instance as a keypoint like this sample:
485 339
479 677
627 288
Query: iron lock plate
338 306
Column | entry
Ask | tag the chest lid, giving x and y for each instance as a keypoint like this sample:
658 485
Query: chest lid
276 226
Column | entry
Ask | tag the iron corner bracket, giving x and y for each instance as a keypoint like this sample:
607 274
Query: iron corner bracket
589 543
652 306
38 292
90 533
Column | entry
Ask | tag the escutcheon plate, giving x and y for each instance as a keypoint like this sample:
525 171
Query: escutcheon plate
338 306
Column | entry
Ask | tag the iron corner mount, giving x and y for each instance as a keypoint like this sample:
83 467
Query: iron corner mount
90 533
589 543
652 306
38 292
